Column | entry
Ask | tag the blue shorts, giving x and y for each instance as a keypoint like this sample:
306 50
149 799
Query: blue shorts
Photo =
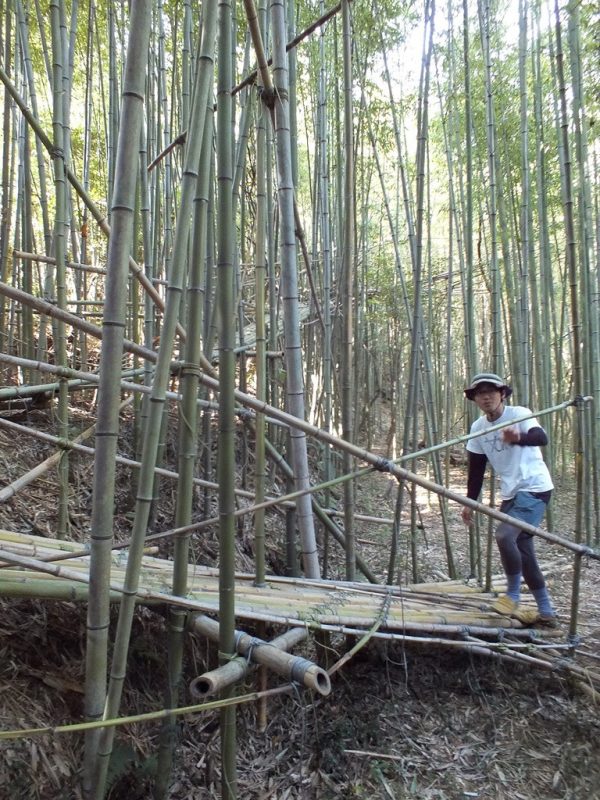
525 506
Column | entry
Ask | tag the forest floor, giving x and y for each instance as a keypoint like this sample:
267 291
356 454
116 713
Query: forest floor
401 721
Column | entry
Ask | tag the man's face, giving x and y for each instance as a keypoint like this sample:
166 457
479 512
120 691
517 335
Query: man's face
488 397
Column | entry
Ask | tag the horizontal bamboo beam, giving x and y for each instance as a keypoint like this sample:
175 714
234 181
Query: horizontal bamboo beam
50 260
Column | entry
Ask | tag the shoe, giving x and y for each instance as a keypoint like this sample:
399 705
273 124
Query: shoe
505 605
528 616
548 620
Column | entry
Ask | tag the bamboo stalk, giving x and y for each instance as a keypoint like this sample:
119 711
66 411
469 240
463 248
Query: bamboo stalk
50 260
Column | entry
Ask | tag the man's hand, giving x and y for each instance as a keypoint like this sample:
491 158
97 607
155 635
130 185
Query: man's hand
511 435
467 515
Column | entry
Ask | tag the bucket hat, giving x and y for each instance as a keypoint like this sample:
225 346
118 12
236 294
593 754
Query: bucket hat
487 377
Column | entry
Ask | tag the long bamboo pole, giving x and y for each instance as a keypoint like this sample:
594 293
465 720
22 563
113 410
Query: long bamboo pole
120 244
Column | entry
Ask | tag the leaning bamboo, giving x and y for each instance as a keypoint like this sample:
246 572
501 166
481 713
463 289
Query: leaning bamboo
119 253
41 469
188 417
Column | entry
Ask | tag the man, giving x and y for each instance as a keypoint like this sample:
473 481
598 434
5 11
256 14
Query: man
525 489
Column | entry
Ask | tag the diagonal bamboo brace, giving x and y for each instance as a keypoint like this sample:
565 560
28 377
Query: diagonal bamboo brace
268 654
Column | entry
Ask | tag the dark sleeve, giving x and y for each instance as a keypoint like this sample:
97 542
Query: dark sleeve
535 437
477 463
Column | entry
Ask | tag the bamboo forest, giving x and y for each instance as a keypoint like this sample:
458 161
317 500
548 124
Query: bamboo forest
277 280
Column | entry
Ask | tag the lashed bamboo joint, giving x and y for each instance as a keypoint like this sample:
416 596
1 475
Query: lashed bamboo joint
269 654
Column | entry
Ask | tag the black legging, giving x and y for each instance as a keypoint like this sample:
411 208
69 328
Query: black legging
517 552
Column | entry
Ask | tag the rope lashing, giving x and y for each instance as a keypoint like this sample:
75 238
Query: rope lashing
189 368
383 464
300 666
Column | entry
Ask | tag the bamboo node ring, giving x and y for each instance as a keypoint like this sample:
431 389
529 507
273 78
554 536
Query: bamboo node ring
189 368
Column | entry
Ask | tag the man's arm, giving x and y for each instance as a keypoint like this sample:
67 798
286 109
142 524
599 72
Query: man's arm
476 470
534 437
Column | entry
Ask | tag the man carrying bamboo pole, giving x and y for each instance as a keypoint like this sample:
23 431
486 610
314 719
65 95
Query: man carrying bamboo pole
525 490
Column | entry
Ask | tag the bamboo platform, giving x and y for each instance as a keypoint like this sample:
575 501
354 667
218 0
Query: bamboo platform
47 568
451 615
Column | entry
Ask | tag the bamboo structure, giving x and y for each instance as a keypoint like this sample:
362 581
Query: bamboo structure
301 284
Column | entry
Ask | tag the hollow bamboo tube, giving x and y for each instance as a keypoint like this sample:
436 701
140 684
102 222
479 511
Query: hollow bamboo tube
237 669
293 668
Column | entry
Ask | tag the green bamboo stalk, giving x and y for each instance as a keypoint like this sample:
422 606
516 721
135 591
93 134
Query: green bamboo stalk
497 350
289 285
348 288
573 277
523 365
60 148
261 332
226 459
6 198
591 447
111 353
188 411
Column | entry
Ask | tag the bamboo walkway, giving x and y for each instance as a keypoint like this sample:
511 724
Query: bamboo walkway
34 566
448 615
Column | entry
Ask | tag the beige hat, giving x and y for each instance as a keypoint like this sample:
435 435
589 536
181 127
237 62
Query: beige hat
487 377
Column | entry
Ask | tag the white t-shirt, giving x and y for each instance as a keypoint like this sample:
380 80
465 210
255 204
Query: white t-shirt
521 469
